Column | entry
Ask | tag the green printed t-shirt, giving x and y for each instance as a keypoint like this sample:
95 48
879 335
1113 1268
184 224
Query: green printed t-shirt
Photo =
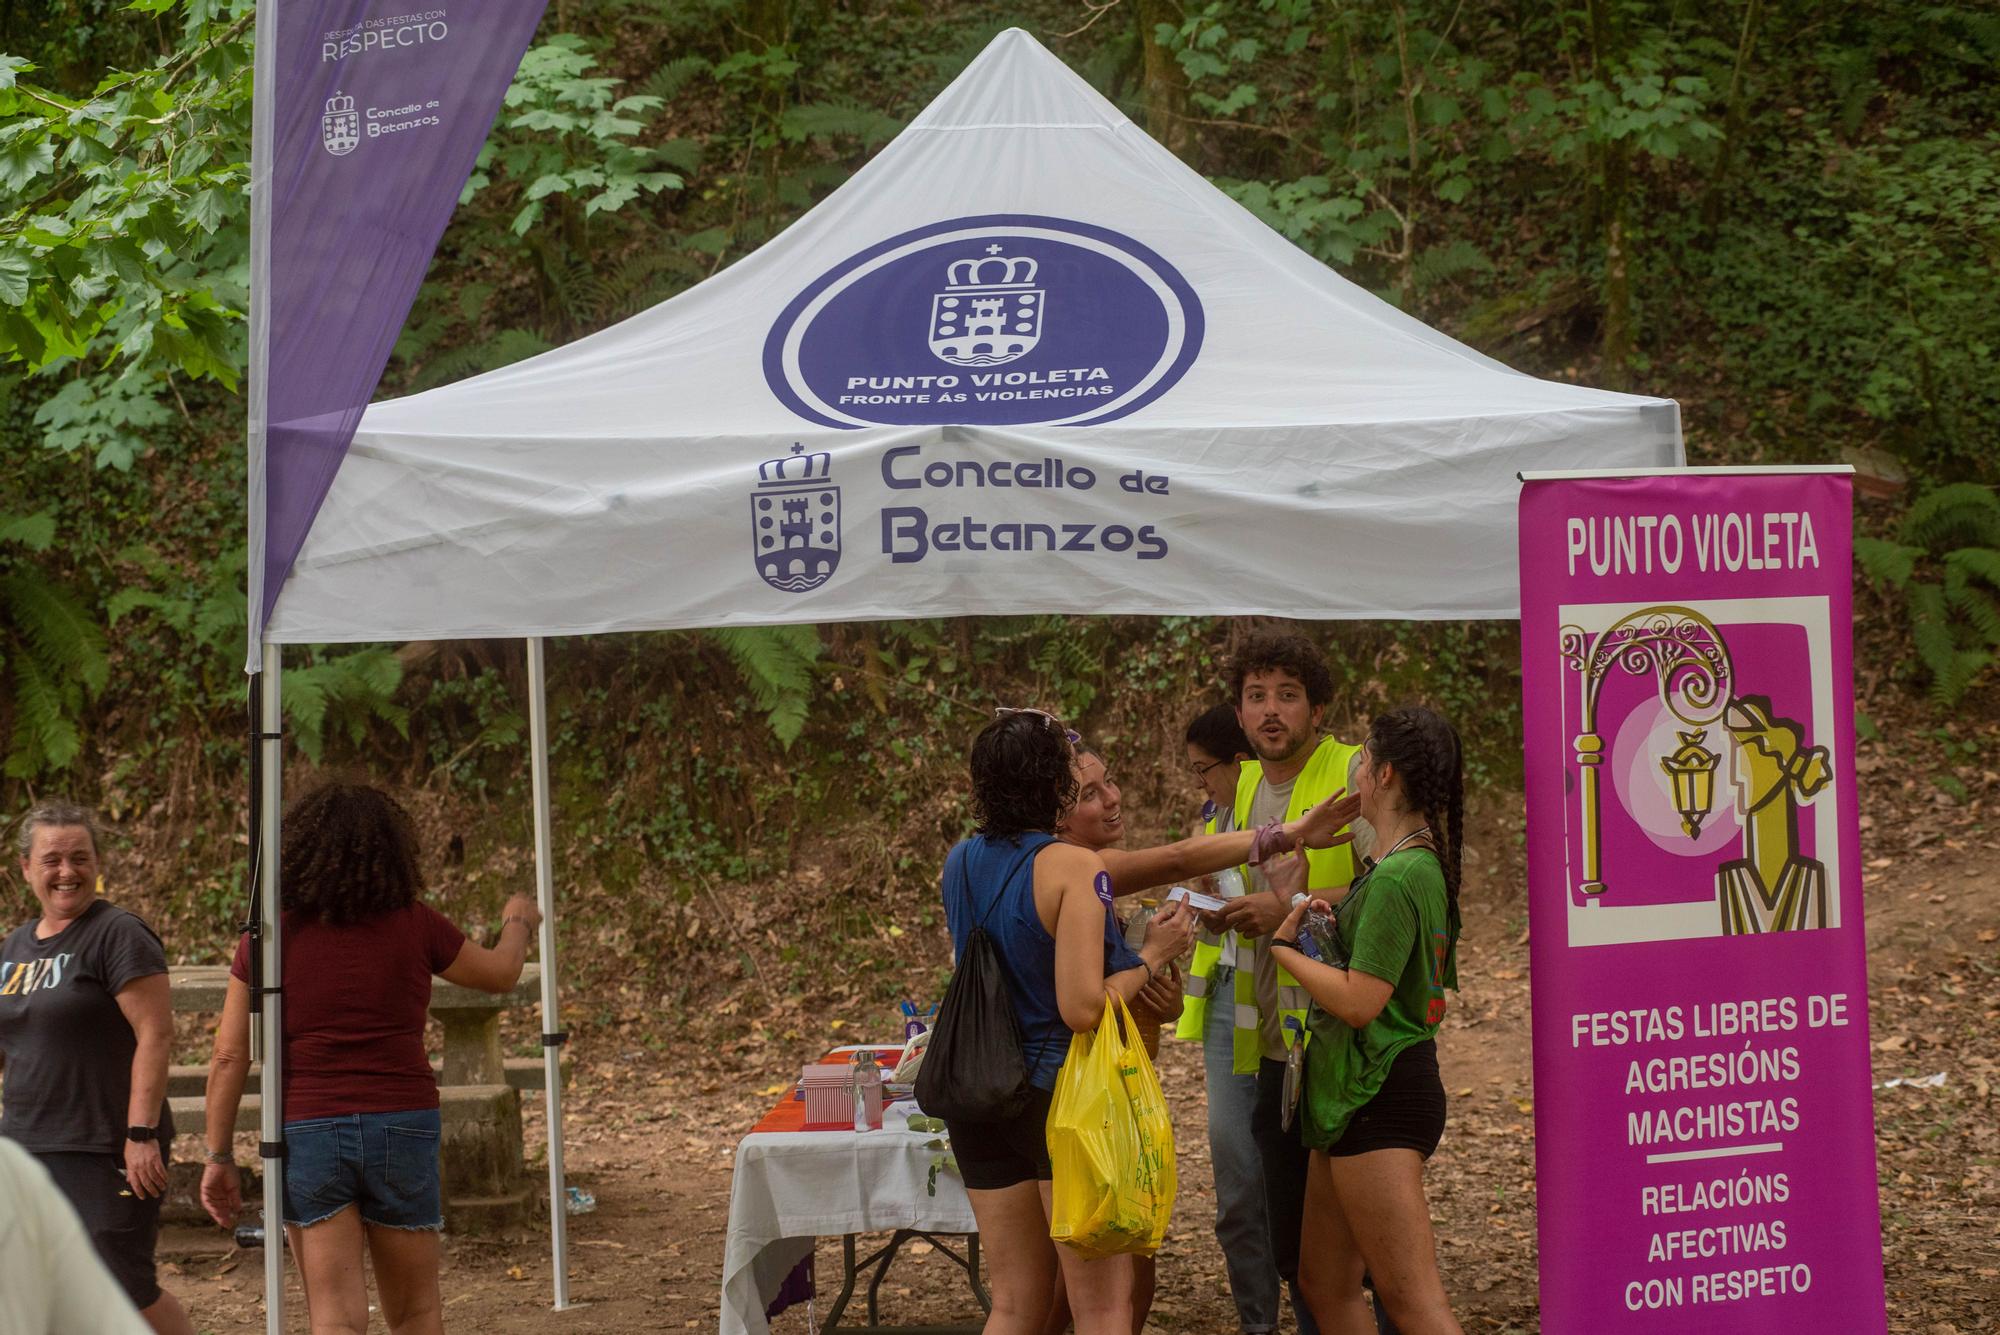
1396 924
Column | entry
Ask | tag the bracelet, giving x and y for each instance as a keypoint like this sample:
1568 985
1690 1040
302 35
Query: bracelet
220 1157
514 917
1144 963
1279 941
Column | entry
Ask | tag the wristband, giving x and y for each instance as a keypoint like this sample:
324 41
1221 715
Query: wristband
1288 945
1269 840
515 917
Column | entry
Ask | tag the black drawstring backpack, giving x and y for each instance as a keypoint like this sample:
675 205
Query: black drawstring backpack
975 1069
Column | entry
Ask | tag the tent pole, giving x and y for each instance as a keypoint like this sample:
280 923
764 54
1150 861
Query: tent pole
552 1036
271 1122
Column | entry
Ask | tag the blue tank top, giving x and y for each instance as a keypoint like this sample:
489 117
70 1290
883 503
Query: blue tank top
992 882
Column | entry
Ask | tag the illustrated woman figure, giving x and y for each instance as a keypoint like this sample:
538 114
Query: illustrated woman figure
1771 888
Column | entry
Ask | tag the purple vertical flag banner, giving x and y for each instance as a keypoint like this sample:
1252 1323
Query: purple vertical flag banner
371 114
1704 1119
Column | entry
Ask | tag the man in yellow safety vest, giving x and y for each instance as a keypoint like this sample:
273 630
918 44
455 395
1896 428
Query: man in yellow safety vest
1282 688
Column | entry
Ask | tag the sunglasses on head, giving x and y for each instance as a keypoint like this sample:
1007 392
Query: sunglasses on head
1073 737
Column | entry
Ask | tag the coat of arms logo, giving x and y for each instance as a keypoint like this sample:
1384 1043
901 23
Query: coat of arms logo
990 312
795 521
340 127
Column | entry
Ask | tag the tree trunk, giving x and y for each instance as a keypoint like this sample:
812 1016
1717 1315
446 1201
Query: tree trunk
1615 180
1732 124
1166 85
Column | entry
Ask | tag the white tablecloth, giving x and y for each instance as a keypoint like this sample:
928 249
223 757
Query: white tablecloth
792 1187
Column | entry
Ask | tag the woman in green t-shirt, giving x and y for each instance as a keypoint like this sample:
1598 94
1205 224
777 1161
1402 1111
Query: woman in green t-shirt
1373 1105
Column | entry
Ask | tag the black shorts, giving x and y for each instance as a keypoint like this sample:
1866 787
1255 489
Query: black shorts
993 1155
1407 1113
123 1228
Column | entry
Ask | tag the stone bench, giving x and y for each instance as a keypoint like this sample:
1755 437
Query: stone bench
526 1074
486 1182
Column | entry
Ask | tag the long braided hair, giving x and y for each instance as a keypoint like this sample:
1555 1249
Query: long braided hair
1424 750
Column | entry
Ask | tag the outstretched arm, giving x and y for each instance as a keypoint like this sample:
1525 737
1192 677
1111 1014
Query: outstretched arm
1322 826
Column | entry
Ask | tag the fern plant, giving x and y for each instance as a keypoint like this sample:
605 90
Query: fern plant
50 646
1946 564
340 692
778 664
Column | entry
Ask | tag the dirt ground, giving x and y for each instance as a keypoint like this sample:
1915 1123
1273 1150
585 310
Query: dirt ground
651 1135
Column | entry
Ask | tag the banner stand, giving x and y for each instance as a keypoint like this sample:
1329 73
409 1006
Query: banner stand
1704 1118
553 1037
271 1116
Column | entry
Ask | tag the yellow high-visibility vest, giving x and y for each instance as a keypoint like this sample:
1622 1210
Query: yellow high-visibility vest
1325 774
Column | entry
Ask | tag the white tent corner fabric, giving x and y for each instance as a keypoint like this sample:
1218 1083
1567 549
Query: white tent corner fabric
1024 360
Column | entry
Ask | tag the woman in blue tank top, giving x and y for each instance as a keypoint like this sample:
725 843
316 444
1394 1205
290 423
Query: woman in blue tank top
1046 905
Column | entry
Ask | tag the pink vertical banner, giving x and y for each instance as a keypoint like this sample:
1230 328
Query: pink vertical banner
1704 1120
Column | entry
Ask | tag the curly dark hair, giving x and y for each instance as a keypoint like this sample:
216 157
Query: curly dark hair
1424 749
349 854
1023 775
1219 732
1282 651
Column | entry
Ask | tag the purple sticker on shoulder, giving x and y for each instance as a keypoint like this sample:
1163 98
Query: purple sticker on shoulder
1103 884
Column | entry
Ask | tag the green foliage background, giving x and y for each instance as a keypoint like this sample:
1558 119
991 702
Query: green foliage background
1785 214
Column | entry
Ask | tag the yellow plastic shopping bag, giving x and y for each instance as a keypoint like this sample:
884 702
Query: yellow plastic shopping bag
1111 1143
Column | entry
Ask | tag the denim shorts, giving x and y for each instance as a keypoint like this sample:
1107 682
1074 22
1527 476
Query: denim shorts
386 1163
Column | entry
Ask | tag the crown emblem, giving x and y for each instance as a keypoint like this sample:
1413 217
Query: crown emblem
340 127
991 270
795 469
990 311
795 521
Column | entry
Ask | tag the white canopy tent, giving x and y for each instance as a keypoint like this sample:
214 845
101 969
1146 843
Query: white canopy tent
603 485
1024 361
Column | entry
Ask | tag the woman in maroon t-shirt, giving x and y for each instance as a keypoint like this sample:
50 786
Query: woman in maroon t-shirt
360 1101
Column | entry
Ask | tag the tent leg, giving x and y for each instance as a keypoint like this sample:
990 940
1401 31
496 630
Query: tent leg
552 1035
272 1123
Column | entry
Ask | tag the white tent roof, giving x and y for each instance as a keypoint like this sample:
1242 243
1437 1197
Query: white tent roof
1312 451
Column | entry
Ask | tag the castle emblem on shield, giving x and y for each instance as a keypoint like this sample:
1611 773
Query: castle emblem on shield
795 521
990 312
340 127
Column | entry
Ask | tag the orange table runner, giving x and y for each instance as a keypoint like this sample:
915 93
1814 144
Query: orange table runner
790 1114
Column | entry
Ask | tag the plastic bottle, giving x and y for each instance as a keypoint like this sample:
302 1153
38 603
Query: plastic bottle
867 1075
1135 926
1319 938
1228 883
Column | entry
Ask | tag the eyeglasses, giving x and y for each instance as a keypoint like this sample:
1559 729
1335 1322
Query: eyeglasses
1073 737
1201 771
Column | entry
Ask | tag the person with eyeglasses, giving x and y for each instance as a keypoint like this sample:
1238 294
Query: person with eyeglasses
1216 750
1046 905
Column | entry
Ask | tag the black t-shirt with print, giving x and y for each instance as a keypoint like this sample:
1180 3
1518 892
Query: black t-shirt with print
67 1046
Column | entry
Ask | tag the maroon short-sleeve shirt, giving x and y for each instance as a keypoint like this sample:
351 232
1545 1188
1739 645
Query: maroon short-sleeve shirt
354 1006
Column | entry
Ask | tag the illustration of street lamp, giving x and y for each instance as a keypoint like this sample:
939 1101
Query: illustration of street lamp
1692 772
1685 653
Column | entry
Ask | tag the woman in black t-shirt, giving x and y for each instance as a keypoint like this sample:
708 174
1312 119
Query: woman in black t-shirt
86 1023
